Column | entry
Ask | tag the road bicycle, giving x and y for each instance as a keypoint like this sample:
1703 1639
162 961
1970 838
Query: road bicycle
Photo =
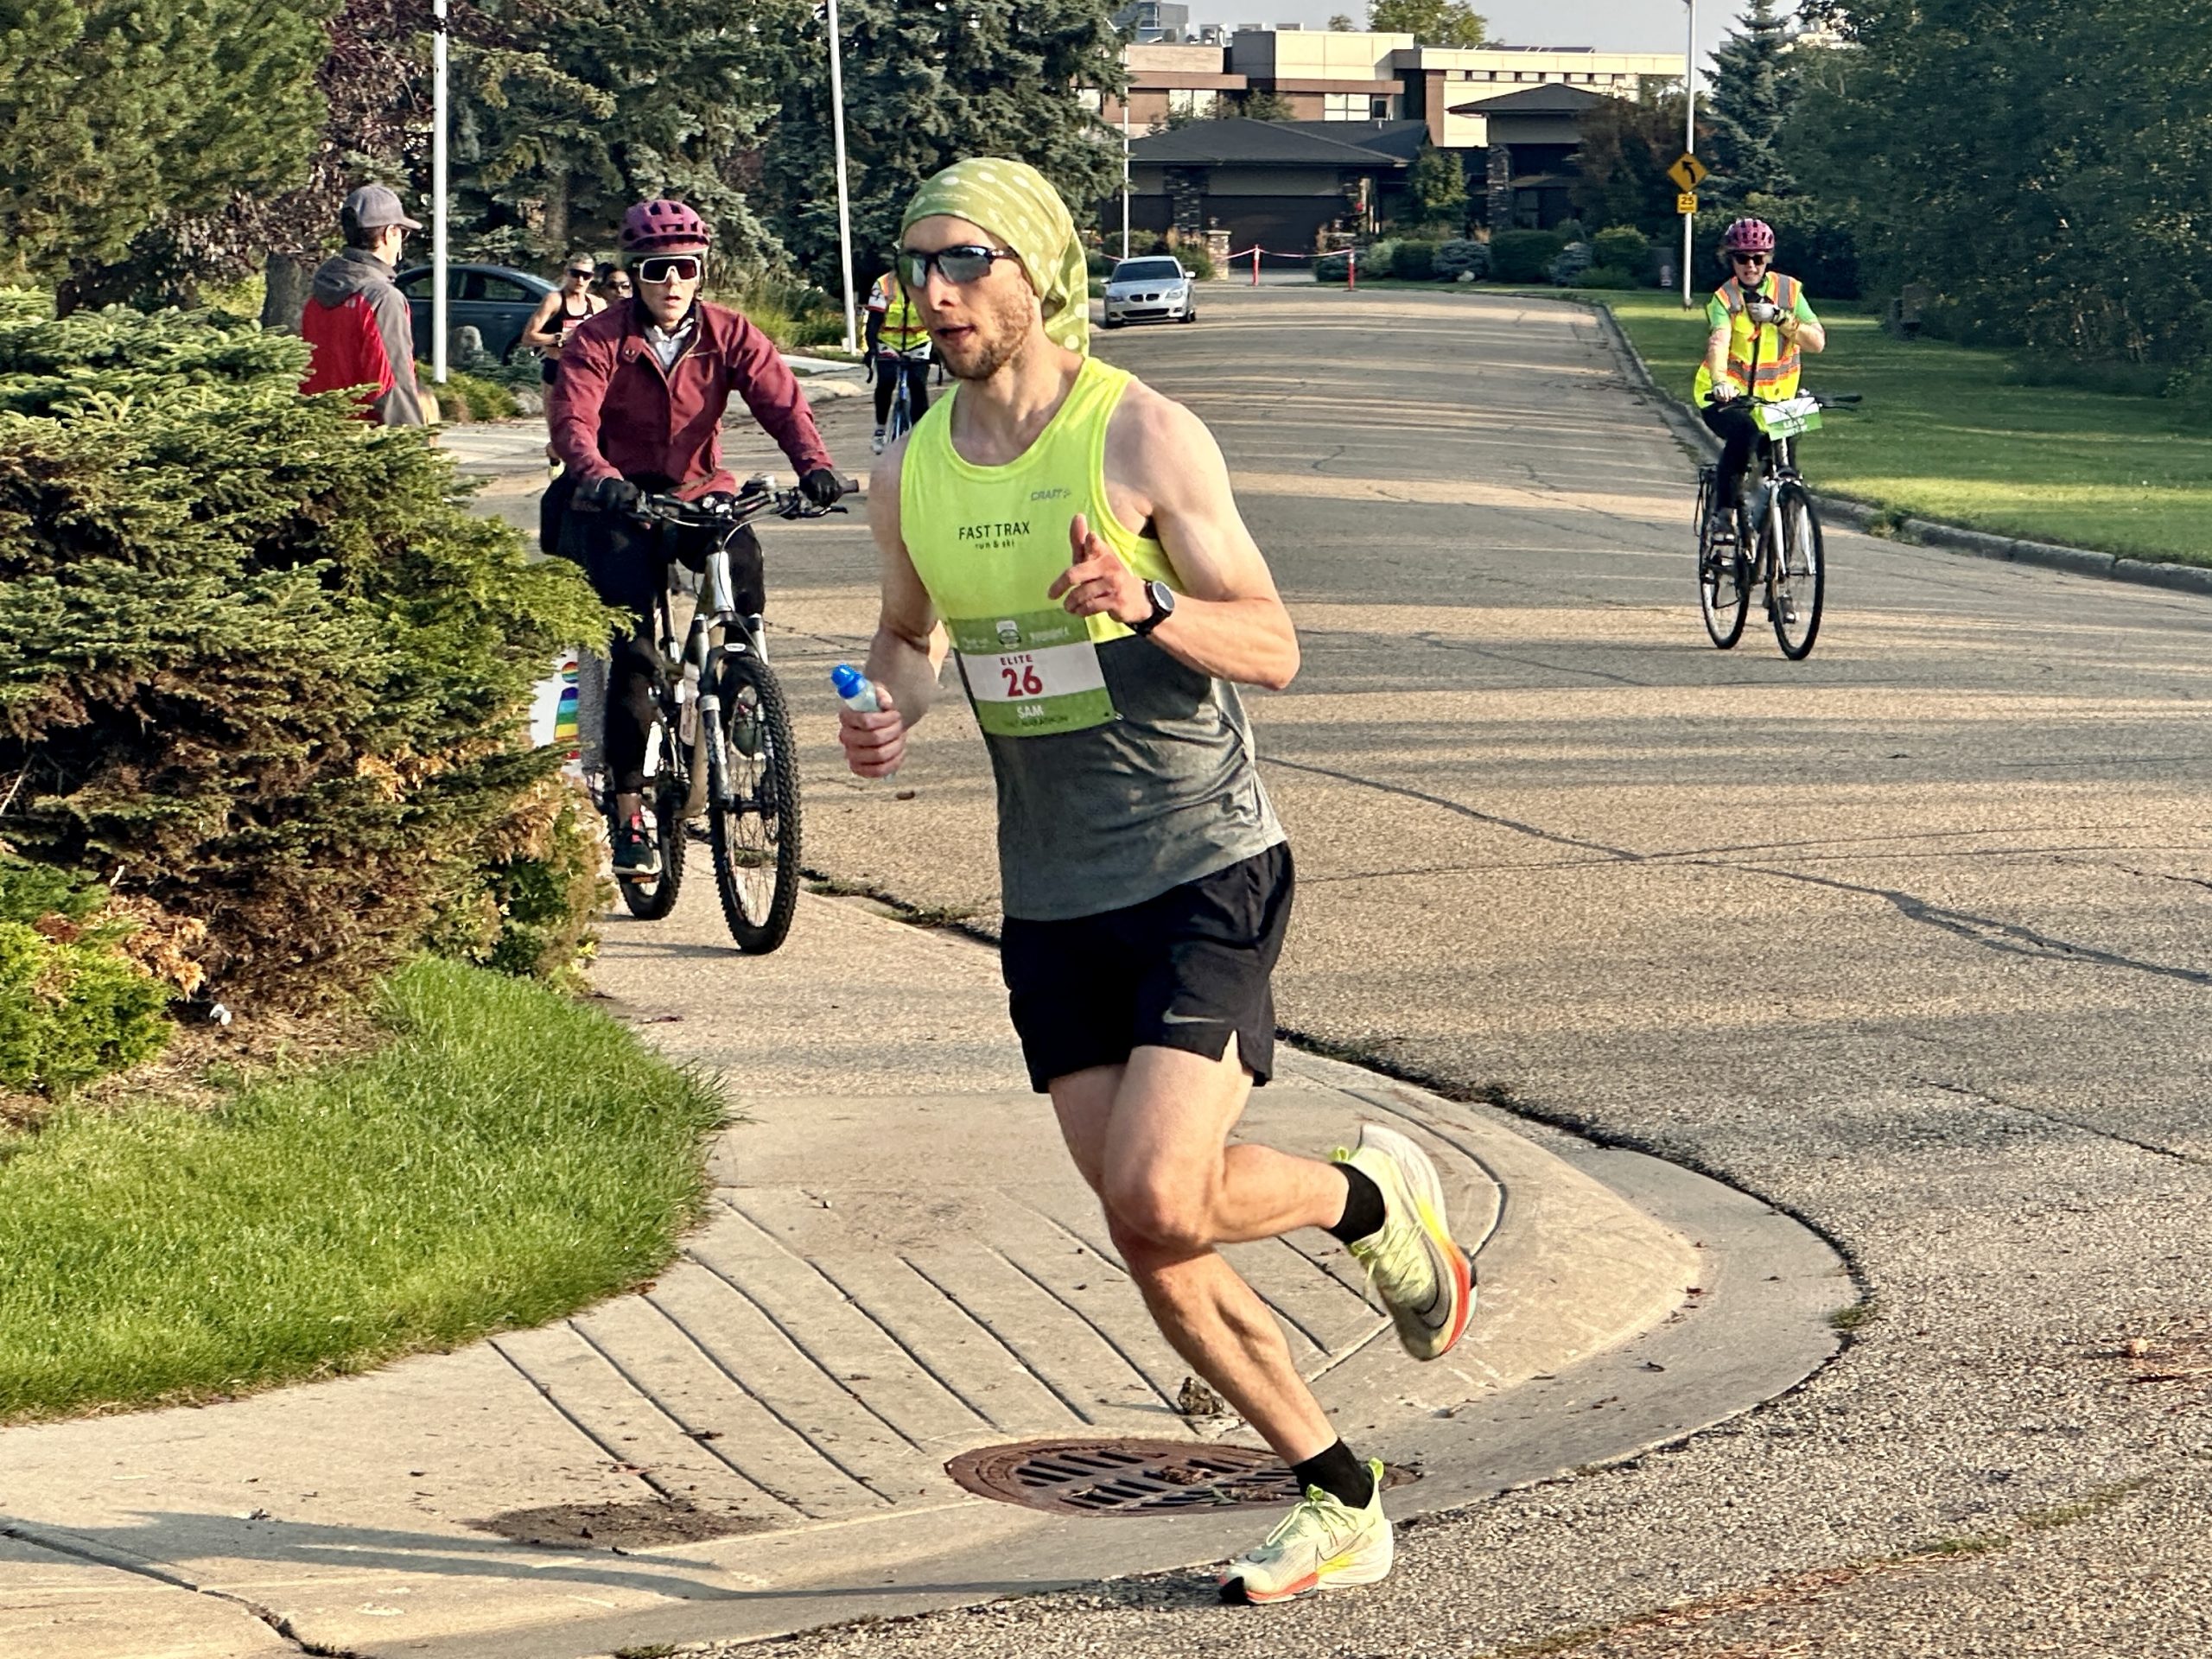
1776 522
720 745
901 421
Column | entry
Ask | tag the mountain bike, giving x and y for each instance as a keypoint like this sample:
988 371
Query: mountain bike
720 745
1775 519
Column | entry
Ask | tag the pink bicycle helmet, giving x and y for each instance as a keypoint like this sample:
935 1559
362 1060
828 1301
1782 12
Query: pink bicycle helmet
1748 236
663 226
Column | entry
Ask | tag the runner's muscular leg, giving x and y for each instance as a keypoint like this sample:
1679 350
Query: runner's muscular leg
1149 1137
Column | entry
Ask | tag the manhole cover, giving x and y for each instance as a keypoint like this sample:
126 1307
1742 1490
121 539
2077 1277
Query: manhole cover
1131 1477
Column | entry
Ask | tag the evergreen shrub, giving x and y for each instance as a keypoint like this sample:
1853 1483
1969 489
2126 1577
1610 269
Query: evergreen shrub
1414 261
1334 268
1622 245
467 397
1523 255
1458 258
73 1005
259 667
1573 259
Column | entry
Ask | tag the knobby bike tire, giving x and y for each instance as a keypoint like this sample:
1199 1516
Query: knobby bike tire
1799 572
668 789
753 811
1723 585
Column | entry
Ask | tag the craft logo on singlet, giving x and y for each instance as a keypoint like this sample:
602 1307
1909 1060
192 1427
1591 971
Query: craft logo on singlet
996 535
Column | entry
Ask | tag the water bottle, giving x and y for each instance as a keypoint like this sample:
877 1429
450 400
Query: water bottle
857 692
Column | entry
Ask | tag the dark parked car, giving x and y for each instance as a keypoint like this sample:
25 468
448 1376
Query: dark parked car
496 301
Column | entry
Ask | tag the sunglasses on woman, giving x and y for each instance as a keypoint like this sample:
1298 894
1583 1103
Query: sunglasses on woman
969 262
1751 258
668 267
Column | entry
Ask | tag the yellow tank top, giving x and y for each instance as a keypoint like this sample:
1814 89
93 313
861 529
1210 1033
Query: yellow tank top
1122 771
988 542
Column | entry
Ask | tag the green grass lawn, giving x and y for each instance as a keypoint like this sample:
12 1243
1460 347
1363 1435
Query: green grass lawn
508 1157
1946 434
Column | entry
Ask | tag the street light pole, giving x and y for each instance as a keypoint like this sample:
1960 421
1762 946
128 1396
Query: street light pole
1689 141
438 115
1125 171
844 205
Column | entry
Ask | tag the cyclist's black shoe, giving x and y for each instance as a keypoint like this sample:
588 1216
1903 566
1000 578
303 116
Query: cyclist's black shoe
635 858
1720 528
875 443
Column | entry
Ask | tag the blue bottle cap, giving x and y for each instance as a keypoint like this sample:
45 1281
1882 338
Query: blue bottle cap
849 680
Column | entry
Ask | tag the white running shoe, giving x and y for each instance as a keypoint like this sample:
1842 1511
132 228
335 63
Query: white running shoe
1422 1275
1323 1544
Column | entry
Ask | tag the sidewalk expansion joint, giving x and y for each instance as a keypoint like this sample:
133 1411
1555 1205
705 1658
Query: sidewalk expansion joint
1020 1358
145 1569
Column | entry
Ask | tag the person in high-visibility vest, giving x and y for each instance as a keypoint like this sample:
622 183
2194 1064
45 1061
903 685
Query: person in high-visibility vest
898 343
1761 327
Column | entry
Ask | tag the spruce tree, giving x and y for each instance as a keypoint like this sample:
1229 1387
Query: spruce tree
1751 91
117 114
928 85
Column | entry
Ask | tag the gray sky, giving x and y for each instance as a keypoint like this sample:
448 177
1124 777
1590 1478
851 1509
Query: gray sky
1622 25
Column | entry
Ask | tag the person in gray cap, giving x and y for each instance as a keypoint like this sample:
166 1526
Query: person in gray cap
357 320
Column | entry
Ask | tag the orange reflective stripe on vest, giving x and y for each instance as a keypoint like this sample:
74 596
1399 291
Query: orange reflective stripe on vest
1778 360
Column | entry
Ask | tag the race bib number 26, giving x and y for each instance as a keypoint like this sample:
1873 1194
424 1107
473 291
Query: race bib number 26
1033 675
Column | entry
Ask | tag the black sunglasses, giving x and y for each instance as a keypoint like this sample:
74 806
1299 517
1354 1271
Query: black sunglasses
1745 258
580 271
969 262
668 267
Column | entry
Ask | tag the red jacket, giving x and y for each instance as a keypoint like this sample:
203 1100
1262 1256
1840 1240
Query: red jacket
612 410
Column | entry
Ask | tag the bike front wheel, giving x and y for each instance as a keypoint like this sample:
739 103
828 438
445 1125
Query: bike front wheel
1723 584
1797 572
752 810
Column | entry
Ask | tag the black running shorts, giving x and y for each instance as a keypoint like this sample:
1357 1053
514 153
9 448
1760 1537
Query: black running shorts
1183 970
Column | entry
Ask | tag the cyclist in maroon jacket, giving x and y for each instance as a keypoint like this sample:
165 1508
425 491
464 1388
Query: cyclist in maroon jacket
639 408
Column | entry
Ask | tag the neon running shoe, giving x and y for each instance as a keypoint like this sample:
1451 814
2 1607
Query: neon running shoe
1322 1544
1422 1275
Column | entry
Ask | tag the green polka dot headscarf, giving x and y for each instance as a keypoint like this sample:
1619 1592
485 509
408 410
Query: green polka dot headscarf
1014 202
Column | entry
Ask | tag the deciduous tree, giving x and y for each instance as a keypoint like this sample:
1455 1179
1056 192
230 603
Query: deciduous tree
1430 23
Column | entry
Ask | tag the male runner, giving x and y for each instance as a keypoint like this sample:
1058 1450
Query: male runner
1074 532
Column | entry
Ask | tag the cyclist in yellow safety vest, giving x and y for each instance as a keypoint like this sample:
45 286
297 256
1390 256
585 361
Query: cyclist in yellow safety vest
1761 328
896 344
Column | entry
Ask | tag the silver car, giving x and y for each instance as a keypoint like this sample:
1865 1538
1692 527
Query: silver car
1156 288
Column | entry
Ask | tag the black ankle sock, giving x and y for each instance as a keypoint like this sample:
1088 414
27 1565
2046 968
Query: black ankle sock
1362 1207
1340 1474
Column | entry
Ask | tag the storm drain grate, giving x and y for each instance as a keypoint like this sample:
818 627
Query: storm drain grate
1125 1476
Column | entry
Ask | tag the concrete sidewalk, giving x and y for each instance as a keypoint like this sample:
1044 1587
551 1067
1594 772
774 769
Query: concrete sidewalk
899 1265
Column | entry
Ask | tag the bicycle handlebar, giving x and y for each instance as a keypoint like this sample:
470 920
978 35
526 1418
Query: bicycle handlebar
754 500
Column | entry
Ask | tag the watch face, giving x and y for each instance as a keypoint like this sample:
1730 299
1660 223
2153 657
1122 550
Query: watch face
1163 597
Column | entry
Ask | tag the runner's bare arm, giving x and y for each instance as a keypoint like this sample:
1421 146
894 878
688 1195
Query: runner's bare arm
910 642
1163 466
535 332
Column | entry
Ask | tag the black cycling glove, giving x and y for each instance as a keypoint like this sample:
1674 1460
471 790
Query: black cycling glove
613 495
822 487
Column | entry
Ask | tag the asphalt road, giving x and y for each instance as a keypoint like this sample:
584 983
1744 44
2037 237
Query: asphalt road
1909 939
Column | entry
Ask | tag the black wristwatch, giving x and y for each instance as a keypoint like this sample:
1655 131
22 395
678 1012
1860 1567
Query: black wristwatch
1163 607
